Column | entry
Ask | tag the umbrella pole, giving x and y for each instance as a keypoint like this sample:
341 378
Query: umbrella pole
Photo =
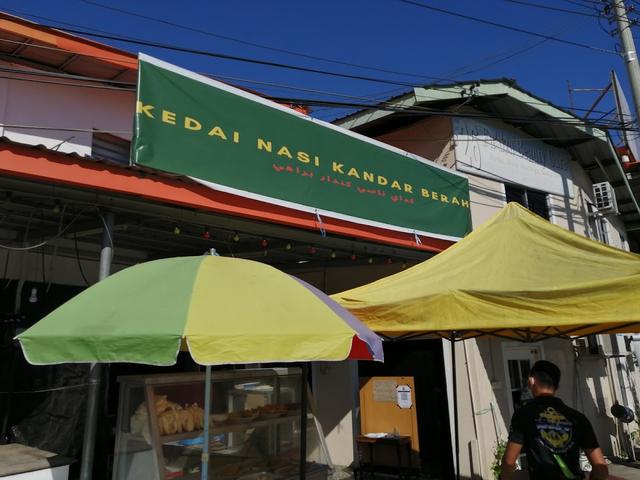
303 422
455 405
95 372
204 468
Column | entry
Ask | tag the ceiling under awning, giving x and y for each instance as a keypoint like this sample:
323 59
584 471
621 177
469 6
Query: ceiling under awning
66 218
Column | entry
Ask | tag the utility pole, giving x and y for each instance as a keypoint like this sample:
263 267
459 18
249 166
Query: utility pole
628 51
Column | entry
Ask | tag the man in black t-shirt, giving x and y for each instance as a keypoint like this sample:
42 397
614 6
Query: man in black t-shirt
551 433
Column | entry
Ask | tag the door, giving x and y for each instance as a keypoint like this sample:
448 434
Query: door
518 361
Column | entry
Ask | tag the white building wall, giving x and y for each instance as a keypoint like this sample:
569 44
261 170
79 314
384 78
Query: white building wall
72 110
589 383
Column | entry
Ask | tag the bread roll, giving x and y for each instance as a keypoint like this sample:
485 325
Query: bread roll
169 423
198 416
161 404
186 420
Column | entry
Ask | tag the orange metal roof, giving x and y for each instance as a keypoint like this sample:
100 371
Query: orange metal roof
45 165
37 45
42 46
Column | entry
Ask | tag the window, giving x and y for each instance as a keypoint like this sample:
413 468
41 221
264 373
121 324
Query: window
530 199
518 360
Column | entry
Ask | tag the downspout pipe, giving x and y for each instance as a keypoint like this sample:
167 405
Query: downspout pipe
623 175
95 372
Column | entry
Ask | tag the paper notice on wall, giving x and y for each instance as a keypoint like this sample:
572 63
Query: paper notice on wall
403 396
384 391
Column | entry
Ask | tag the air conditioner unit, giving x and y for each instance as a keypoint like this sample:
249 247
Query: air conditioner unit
605 198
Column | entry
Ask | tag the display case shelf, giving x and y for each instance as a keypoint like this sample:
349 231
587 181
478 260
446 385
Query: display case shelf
237 447
230 427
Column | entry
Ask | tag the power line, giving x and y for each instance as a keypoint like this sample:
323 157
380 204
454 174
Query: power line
581 3
258 45
91 30
327 104
508 57
506 27
236 58
208 53
45 242
424 111
547 7
132 86
403 111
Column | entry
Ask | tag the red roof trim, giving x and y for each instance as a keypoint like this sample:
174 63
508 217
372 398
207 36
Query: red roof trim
47 166
66 41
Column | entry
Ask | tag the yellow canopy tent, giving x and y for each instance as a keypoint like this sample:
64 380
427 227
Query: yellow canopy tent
516 276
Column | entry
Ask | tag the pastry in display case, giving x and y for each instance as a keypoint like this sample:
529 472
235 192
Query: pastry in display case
254 427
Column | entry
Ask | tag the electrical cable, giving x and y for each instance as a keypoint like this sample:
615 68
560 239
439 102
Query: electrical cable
111 36
508 57
134 62
77 251
404 111
411 111
258 45
236 58
547 7
284 86
107 229
238 79
38 245
566 121
308 102
506 27
574 2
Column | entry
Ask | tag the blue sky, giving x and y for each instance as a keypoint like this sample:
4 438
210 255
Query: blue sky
416 43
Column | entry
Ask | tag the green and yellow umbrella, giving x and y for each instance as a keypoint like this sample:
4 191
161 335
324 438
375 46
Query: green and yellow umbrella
223 310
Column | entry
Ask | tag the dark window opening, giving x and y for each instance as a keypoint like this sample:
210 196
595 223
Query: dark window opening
530 199
109 147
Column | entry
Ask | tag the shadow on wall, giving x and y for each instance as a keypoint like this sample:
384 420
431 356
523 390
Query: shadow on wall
592 399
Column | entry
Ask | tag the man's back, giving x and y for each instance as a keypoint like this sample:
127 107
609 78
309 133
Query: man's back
552 435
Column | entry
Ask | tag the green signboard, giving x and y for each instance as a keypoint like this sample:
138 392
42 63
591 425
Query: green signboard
240 143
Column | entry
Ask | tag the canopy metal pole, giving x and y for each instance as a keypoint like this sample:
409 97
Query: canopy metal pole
204 468
303 422
456 453
95 373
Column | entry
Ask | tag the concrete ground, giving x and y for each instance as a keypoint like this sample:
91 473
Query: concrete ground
623 471
616 472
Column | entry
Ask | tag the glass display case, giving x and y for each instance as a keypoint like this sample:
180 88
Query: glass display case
254 427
